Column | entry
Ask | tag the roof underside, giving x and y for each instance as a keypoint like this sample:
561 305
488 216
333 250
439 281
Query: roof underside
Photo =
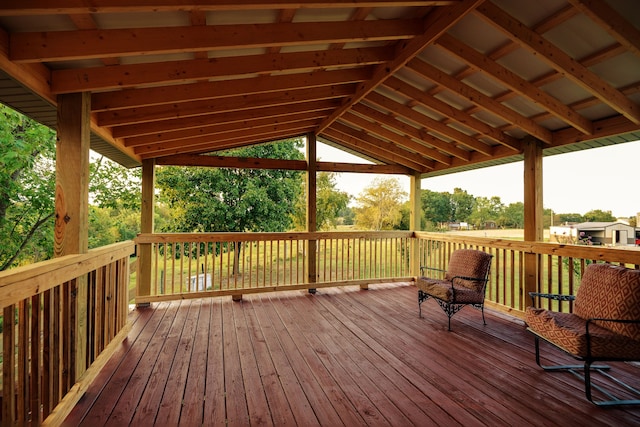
431 87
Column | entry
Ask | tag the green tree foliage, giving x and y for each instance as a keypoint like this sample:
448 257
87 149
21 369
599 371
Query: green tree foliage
564 218
379 205
27 184
462 205
512 216
598 215
485 210
436 207
329 203
226 199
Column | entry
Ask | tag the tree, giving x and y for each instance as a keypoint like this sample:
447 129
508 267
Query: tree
486 210
598 215
436 207
229 199
329 203
462 204
379 205
27 188
512 216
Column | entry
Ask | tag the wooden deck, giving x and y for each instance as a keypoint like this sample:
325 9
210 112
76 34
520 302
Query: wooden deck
341 357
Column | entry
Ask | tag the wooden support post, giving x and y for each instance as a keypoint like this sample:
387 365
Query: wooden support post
533 212
414 222
312 169
147 207
71 234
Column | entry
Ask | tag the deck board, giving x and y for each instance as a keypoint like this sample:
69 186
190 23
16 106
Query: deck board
344 356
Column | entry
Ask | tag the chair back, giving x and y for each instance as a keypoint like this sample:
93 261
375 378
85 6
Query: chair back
469 263
612 292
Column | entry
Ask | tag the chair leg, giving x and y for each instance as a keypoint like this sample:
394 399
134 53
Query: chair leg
583 372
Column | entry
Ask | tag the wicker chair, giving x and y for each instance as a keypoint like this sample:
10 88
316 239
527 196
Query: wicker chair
604 326
463 283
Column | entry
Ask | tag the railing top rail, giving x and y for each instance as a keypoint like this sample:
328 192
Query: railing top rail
248 236
600 253
22 282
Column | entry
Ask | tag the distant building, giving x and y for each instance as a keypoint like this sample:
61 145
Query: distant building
596 233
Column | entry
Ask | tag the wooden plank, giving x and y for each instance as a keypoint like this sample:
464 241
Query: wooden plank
214 396
350 357
171 404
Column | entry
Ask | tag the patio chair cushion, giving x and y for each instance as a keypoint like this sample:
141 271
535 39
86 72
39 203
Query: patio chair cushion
568 331
611 292
606 291
442 290
469 263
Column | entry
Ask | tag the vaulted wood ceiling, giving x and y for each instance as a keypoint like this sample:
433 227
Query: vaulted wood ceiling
421 86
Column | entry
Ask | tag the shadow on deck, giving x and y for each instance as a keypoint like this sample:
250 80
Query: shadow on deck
341 357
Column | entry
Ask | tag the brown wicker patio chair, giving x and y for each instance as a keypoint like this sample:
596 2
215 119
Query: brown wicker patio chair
463 283
604 326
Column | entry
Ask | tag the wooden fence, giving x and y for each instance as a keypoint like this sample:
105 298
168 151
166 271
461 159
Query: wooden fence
58 319
195 265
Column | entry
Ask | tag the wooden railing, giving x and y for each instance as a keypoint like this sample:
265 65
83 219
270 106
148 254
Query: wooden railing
557 268
59 318
195 265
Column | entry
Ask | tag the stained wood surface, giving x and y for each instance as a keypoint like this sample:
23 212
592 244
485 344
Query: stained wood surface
343 356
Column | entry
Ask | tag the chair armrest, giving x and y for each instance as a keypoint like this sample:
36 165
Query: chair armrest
422 268
557 297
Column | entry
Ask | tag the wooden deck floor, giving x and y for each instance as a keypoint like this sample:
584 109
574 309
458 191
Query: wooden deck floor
341 357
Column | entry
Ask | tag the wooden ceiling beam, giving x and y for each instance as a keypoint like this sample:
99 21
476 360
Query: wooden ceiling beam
430 125
606 17
126 76
436 23
222 127
204 160
361 142
400 155
515 83
130 98
558 59
225 140
183 123
236 103
104 43
48 7
426 143
480 99
453 115
376 129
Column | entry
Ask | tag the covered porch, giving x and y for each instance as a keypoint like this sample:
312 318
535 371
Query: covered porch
418 88
344 356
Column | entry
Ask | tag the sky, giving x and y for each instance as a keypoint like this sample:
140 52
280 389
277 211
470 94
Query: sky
605 178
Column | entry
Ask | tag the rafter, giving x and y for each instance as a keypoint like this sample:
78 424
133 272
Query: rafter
558 59
39 7
377 130
361 142
408 131
87 44
220 128
413 160
133 98
436 23
454 115
516 83
237 103
225 141
481 100
621 29
126 76
149 128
